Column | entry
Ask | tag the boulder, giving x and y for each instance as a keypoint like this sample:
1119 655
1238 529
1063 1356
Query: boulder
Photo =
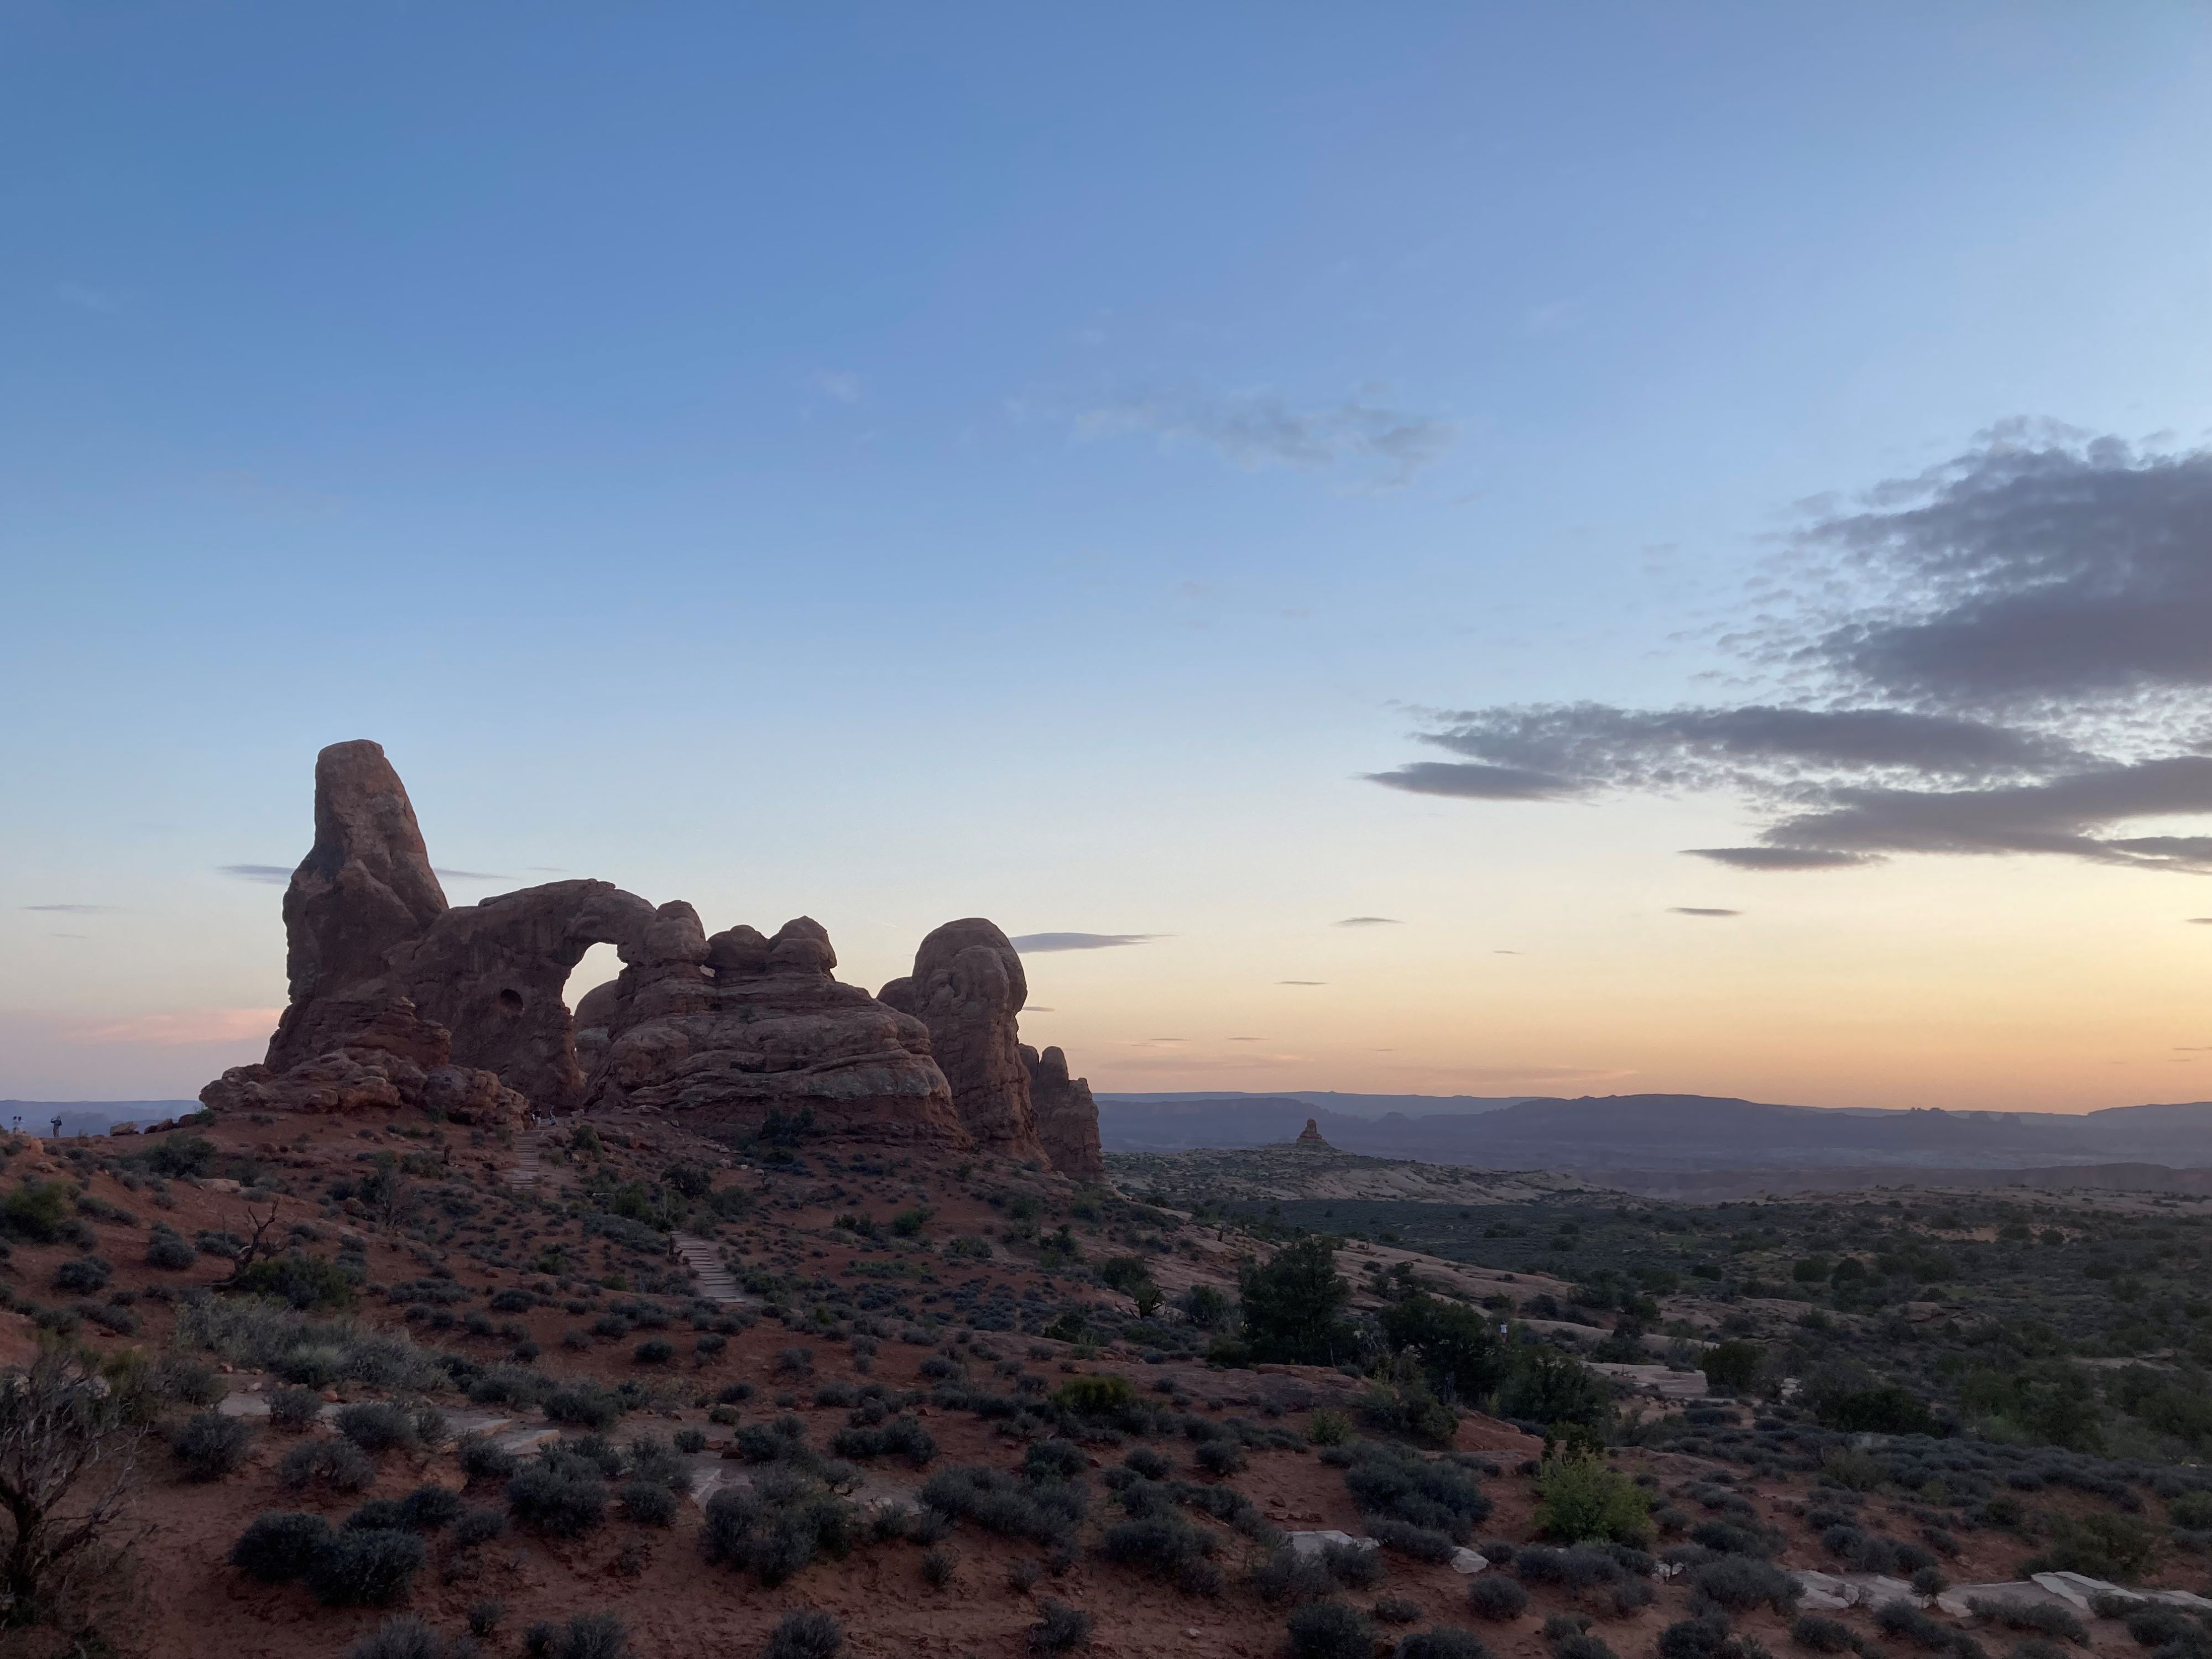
967 988
721 1032
1066 1115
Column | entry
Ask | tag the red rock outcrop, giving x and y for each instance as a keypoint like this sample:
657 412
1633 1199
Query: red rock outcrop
1311 1136
494 974
1066 1115
968 988
398 1060
723 1031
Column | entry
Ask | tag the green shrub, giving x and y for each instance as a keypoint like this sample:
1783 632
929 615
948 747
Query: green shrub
1741 1583
584 1405
776 1526
1732 1364
484 1459
277 1549
1046 1512
370 1567
83 1275
403 1636
39 1210
208 1445
2191 1509
2098 1545
1294 1306
1099 1395
478 1524
304 1281
1823 1635
2042 1618
294 1408
1581 1497
648 1503
1900 1620
1391 1481
1166 1547
1410 1409
166 1250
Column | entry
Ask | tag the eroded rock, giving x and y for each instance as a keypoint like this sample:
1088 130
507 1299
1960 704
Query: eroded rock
1066 1115
967 988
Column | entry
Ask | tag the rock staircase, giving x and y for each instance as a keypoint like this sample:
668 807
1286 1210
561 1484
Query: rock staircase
525 1171
716 1281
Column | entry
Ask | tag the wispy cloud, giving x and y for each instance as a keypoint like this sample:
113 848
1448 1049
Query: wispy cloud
1301 982
1700 910
468 875
840 385
1368 921
2008 654
73 909
1037 944
1381 444
269 872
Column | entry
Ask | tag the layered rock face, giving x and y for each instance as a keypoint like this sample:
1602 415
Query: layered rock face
399 1059
968 988
1066 1115
725 1031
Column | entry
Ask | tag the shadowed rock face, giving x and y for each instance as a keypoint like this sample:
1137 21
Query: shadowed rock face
494 974
364 887
1066 1116
723 1031
968 988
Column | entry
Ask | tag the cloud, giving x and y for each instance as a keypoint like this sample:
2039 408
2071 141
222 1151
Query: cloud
1779 858
1475 782
468 875
178 1030
269 872
1700 910
1301 982
1368 921
840 383
73 909
2010 654
1389 447
1032 944
2201 921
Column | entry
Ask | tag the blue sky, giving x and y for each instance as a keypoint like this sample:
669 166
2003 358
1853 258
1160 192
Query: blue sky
893 463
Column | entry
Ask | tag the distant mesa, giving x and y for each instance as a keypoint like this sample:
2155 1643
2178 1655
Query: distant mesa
399 999
1311 1136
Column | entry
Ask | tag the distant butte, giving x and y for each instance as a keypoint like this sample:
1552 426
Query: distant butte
400 1000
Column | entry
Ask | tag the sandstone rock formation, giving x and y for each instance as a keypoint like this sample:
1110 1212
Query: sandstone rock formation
1066 1116
399 1059
493 973
967 988
725 1031
1311 1136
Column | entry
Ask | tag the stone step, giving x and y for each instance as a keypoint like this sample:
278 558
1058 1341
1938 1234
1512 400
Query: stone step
715 1281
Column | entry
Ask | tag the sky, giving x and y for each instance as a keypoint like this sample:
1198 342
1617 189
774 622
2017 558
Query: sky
1468 549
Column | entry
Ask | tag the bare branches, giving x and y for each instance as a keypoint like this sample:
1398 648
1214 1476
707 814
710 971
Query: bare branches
256 1247
68 1467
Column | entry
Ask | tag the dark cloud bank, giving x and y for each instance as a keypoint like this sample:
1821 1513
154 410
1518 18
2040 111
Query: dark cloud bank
2024 664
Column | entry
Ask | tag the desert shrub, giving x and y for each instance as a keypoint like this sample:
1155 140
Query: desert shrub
1442 1643
903 1436
478 1524
653 1351
208 1445
1290 1575
648 1503
339 1464
1410 1409
484 1616
1582 1645
83 1275
376 1425
1823 1635
1581 1497
1045 1512
1099 1395
1165 1547
1219 1457
804 1633
1063 1459
2165 1628
428 1508
690 1441
2098 1545
370 1567
1396 1610
304 1281
1392 1481
1328 1428
1060 1628
166 1250
2192 1509
590 1636
1422 1543
38 1211
1329 1630
1294 1306
777 1525
2042 1618
1146 1461
294 1408
583 1405
1495 1597
1740 1583
277 1549
483 1459
1901 1621
560 1495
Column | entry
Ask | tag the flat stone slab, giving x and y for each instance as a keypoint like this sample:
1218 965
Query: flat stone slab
1661 1380
1828 1591
1959 1600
